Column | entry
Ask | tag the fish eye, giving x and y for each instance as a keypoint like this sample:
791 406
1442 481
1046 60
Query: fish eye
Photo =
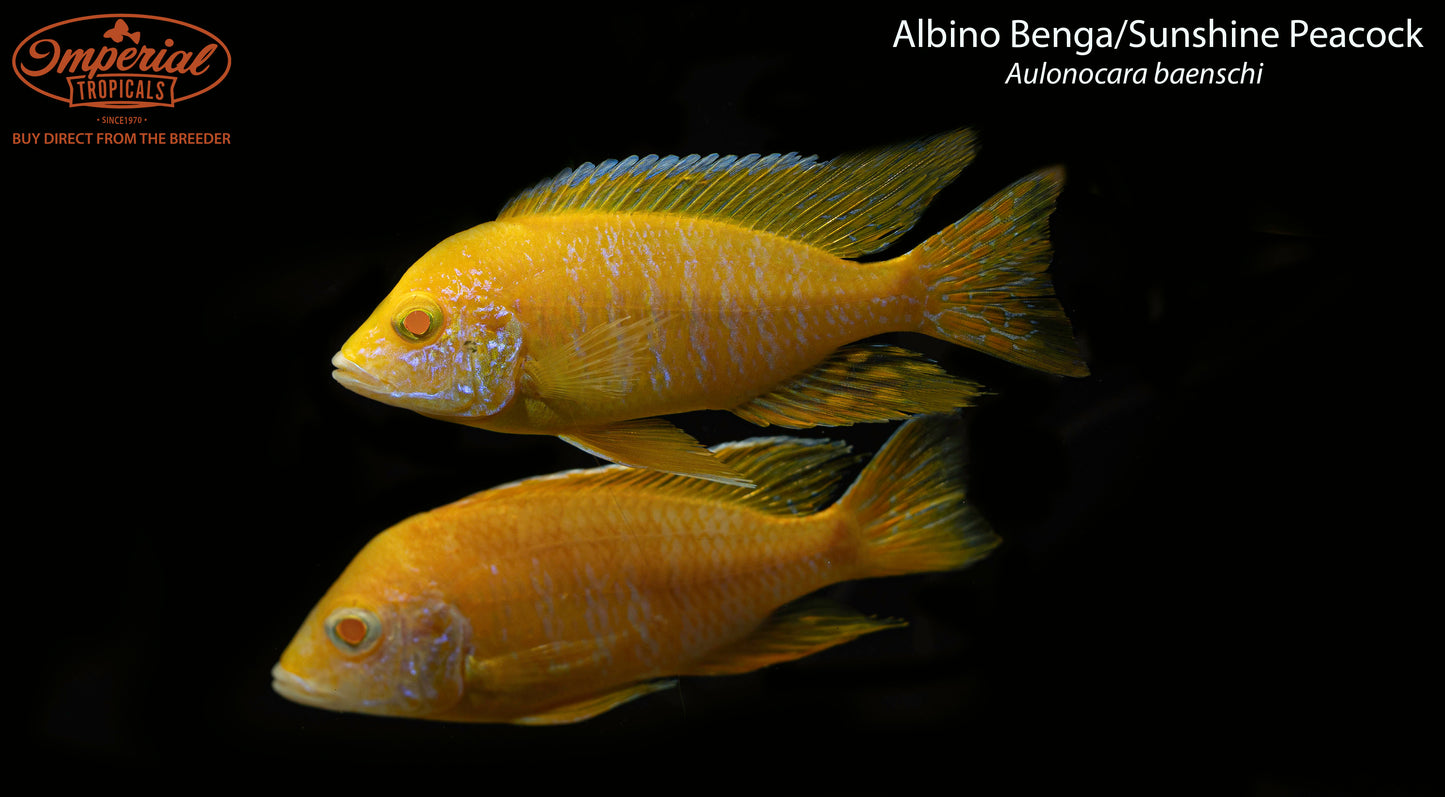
417 319
353 629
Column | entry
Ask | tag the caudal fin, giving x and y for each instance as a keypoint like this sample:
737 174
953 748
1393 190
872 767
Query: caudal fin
987 283
910 504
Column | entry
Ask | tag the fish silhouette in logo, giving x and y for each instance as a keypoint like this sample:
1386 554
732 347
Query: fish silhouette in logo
122 31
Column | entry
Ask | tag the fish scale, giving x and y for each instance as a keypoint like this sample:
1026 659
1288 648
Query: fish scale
611 296
755 307
643 287
554 599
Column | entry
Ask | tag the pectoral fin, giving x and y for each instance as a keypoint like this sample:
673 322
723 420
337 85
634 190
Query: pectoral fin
538 665
601 364
859 384
794 631
657 444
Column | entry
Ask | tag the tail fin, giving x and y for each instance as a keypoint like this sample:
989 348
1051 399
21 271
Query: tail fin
986 281
909 503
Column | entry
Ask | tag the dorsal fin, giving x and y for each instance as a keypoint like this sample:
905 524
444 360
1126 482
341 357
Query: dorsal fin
794 476
850 206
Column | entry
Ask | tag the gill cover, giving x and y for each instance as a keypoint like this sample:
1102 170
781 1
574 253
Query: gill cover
434 356
496 356
403 659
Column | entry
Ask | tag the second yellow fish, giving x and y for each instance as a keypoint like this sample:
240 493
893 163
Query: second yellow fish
556 598
620 292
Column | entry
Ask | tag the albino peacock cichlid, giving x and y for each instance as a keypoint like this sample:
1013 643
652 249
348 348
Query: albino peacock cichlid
557 598
617 293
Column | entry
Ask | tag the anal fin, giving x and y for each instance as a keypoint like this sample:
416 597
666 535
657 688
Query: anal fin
861 383
657 444
799 629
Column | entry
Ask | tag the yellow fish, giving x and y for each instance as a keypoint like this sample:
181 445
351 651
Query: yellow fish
616 293
554 599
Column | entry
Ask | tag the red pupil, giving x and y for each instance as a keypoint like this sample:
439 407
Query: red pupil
351 630
417 322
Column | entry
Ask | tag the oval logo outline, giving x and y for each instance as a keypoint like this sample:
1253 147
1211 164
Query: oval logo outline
15 61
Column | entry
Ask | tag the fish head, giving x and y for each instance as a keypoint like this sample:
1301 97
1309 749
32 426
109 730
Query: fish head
356 653
436 346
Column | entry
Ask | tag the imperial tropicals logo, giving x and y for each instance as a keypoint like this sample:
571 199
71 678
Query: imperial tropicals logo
121 61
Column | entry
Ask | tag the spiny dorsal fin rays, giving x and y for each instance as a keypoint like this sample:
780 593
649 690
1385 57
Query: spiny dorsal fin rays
650 184
850 206
881 192
793 475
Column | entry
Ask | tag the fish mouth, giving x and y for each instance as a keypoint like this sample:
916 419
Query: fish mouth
354 378
298 690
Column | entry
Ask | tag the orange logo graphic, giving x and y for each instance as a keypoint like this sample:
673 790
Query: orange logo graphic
121 31
155 61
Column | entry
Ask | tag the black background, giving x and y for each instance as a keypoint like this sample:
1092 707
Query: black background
1211 581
